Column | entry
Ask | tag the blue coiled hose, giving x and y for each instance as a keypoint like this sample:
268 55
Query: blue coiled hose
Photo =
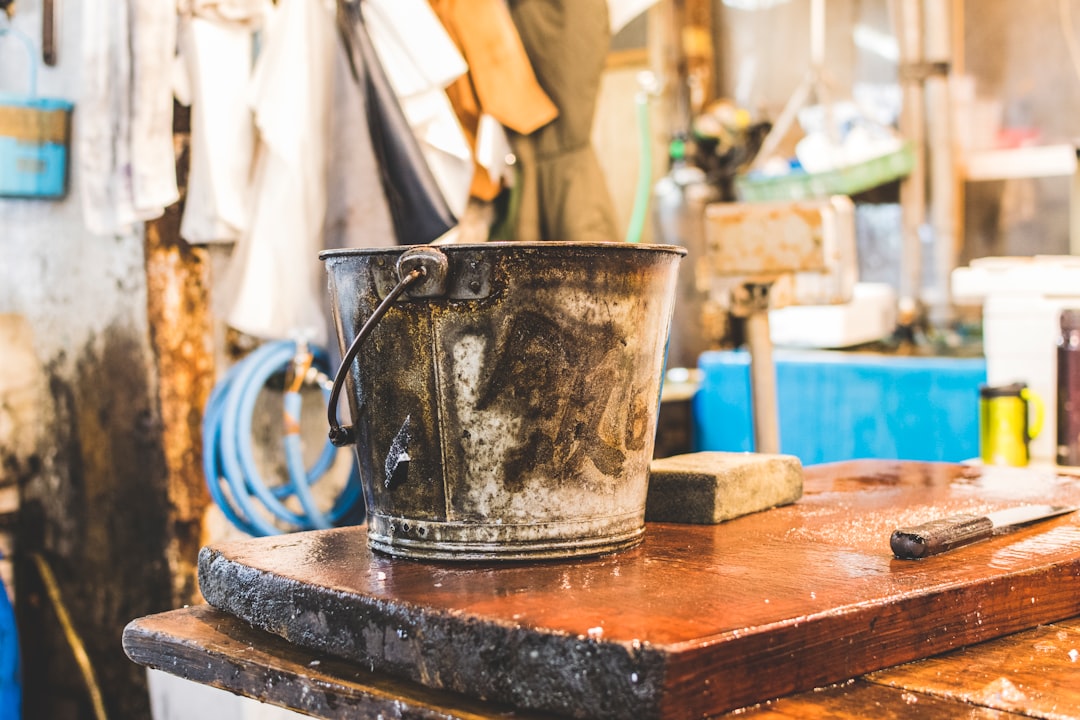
228 459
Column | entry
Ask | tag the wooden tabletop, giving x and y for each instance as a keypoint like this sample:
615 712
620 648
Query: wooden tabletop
1035 673
696 621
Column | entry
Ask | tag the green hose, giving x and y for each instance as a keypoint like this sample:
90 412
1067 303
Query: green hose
644 181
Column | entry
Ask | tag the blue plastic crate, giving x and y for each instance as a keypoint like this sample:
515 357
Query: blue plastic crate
844 406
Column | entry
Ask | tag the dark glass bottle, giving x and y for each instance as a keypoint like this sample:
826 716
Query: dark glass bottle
1068 389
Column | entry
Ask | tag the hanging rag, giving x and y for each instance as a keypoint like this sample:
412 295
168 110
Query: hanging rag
125 160
153 166
420 61
417 205
621 12
357 214
563 193
501 88
230 11
274 286
213 74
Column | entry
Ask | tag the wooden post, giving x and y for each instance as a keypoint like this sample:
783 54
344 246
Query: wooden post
941 160
907 21
178 285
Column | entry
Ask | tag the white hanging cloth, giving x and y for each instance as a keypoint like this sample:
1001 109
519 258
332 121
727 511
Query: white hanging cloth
153 155
274 284
213 76
357 214
420 61
621 12
493 150
124 159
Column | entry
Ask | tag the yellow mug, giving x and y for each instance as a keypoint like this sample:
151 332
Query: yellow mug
1004 430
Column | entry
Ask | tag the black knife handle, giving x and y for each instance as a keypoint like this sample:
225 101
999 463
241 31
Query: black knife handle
937 536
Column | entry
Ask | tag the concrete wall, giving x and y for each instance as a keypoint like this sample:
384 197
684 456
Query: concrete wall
82 441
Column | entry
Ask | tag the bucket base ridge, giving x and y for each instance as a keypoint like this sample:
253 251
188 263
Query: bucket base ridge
427 540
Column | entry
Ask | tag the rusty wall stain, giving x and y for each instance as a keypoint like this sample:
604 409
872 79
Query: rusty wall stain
181 333
95 511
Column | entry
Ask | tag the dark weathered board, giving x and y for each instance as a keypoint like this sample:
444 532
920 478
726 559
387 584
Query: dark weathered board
1036 672
696 620
213 648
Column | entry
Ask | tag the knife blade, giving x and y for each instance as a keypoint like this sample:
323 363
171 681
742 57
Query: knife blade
938 536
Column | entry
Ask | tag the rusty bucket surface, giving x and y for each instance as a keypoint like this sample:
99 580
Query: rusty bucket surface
505 405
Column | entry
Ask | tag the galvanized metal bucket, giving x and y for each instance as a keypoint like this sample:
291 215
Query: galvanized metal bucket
504 396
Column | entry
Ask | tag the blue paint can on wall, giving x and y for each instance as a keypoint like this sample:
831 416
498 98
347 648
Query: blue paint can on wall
35 134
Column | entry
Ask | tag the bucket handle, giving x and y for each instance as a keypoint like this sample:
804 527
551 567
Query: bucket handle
426 267
30 54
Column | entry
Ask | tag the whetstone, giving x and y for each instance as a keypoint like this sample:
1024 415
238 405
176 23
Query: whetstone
710 487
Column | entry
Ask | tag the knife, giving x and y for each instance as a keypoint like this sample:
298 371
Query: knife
937 536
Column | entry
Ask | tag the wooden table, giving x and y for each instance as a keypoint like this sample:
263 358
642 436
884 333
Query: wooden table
1029 674
759 607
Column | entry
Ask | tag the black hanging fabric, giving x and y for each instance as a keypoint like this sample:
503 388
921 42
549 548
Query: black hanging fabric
419 210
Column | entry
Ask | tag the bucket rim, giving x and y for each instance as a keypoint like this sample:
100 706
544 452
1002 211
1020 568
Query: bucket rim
467 247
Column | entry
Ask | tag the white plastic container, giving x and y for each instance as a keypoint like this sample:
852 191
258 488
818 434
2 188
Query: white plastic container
869 316
1022 299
